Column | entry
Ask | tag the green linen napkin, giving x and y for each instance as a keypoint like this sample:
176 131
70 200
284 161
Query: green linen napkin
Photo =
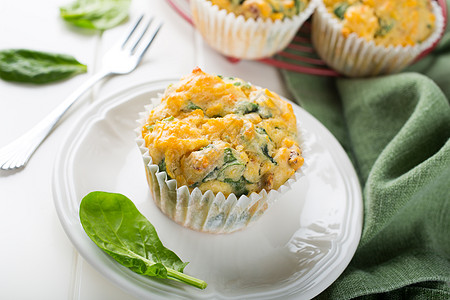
396 130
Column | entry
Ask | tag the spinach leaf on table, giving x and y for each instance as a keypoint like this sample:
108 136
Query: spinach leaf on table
115 225
30 66
96 14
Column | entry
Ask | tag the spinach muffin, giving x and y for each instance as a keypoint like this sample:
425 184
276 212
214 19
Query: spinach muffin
367 37
250 29
222 139
386 22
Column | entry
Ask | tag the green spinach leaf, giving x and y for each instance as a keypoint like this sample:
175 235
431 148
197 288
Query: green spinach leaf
265 151
191 106
228 155
384 27
340 10
96 14
298 6
245 107
239 186
115 225
23 65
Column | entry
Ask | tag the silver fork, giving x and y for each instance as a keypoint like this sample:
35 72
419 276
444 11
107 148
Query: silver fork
120 59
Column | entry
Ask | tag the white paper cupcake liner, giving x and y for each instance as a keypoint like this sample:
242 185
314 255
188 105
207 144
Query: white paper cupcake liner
236 37
354 56
207 212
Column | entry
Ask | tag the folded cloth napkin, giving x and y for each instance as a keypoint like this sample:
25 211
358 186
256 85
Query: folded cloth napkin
396 131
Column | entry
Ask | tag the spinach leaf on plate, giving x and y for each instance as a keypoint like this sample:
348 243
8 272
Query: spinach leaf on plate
23 65
96 14
115 225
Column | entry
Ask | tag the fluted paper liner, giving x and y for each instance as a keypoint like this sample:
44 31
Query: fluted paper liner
207 212
237 37
356 57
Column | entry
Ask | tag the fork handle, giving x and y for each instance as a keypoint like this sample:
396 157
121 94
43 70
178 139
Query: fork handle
18 152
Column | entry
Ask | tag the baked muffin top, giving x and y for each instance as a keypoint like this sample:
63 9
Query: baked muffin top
386 22
223 134
264 9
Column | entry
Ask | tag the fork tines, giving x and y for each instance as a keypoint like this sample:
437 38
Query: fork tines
132 41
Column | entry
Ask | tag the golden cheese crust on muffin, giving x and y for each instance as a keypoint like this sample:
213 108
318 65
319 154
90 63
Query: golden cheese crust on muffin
265 9
386 22
223 134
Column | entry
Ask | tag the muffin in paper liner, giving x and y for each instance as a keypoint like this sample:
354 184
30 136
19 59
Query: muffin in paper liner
236 37
354 56
206 212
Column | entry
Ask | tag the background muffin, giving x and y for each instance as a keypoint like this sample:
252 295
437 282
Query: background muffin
223 139
250 29
364 38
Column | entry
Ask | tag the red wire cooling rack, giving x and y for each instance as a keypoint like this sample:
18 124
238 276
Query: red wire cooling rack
299 56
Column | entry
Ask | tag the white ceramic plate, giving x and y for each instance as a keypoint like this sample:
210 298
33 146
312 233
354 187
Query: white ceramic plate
296 250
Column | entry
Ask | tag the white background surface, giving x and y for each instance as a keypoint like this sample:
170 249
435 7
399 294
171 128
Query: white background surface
37 259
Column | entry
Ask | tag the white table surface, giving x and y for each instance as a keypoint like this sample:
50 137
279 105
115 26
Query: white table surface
37 259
